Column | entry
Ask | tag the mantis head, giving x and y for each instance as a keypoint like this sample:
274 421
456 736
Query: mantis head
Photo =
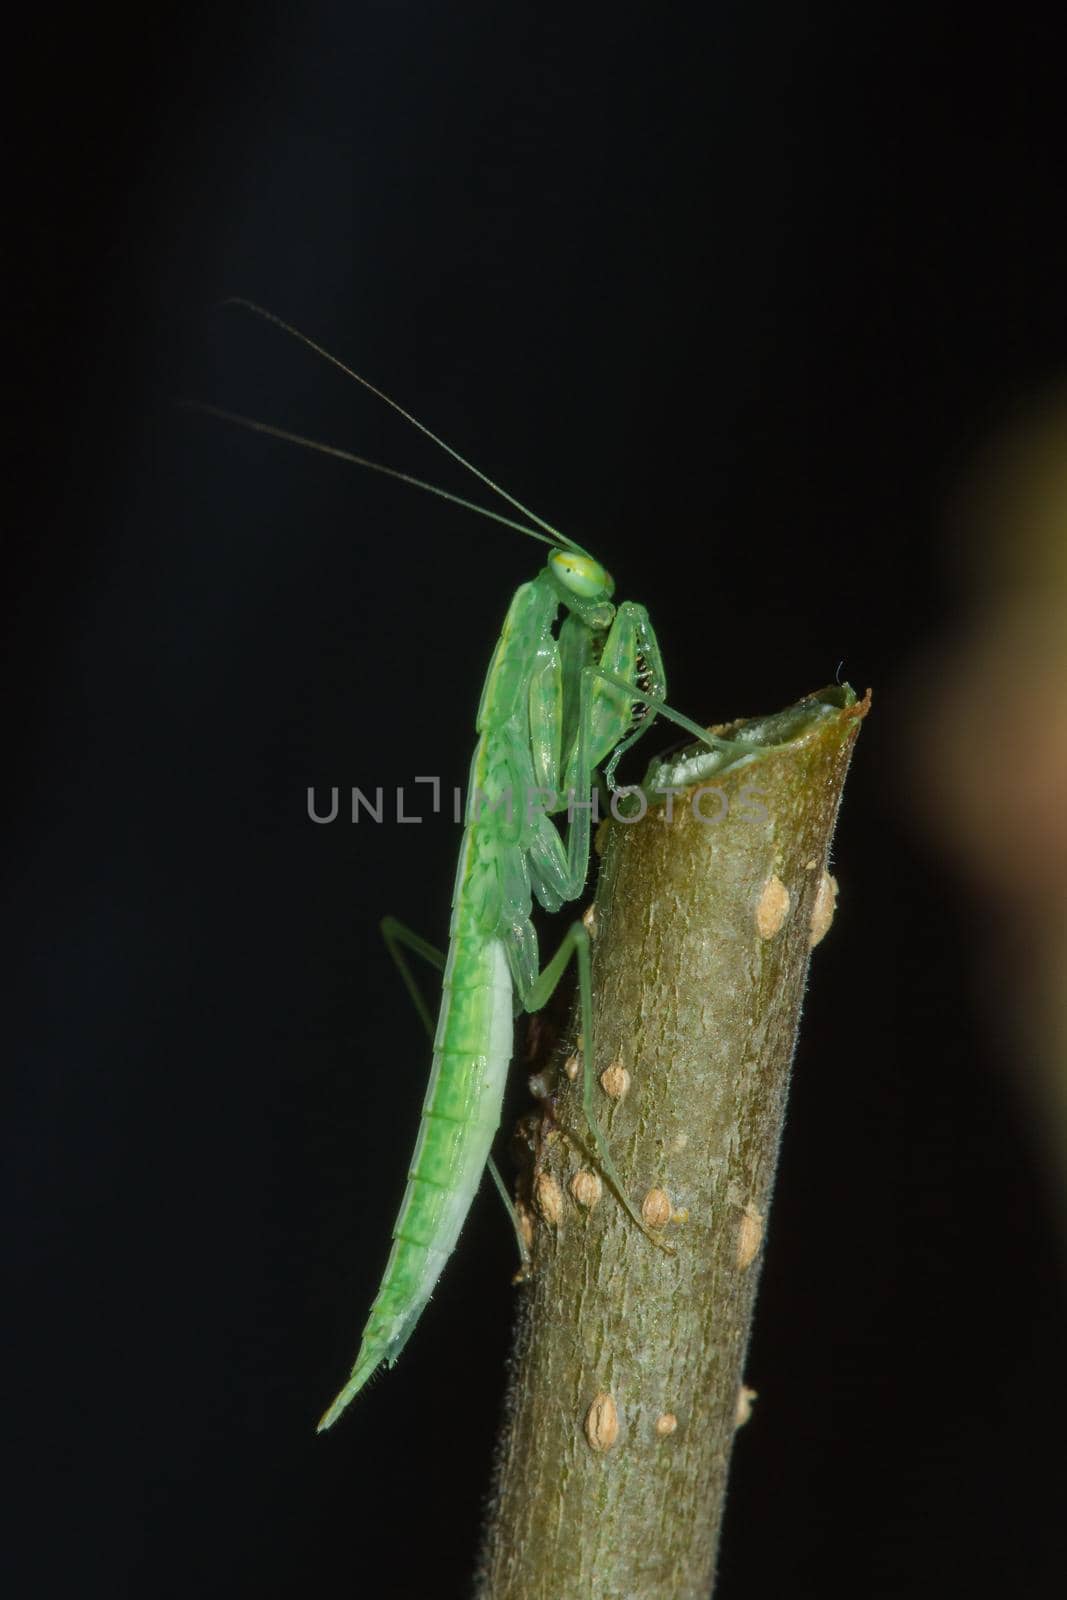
584 586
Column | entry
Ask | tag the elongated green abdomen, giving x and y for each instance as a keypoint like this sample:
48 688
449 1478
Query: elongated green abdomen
460 1115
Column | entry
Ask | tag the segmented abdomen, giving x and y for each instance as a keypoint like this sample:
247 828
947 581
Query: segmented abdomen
460 1115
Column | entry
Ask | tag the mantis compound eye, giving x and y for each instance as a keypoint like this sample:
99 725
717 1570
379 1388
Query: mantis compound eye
583 576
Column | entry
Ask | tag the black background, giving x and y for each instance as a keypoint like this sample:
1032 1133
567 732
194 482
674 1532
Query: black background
729 294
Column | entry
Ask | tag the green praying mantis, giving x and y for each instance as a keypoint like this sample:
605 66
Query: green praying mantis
560 700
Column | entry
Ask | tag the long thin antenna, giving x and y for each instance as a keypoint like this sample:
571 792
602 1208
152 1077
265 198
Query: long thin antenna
268 428
295 333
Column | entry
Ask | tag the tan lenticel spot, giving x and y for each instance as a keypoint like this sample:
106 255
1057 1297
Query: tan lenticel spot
615 1080
548 1197
666 1424
822 912
745 1399
749 1236
602 1423
586 1189
656 1209
773 907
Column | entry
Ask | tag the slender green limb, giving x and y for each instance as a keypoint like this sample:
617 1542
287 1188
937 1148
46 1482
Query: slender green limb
525 1259
661 708
398 938
576 943
513 1215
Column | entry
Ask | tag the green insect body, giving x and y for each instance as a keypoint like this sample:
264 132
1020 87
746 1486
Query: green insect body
511 853
555 707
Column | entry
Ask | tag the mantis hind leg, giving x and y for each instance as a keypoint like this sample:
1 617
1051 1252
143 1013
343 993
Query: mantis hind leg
576 943
399 938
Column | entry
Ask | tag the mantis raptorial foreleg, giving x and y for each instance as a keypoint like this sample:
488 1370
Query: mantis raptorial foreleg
398 938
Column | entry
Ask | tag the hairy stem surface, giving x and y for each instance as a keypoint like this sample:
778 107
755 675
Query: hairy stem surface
626 1383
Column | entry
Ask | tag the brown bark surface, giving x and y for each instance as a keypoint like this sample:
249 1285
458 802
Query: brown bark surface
628 1364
